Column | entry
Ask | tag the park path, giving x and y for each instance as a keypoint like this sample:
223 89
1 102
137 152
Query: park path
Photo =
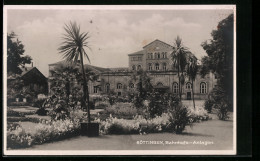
218 134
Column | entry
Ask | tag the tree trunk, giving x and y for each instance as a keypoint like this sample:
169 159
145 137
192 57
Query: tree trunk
85 87
192 93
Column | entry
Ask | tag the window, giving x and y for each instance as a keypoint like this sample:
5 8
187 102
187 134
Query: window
157 66
119 93
159 84
203 87
139 67
139 58
131 85
188 85
175 88
155 55
95 89
164 66
150 67
158 56
119 86
164 55
107 88
133 67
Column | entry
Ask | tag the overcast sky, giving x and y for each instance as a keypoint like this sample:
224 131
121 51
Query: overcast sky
114 33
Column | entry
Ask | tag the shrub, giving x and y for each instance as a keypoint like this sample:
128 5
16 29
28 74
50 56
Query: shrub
101 104
12 113
209 105
19 104
179 118
42 111
121 110
45 132
23 119
222 110
39 103
197 114
17 138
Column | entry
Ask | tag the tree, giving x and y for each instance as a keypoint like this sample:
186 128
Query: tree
144 86
179 59
219 59
15 57
72 49
192 70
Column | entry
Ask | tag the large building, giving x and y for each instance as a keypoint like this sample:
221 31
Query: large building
155 59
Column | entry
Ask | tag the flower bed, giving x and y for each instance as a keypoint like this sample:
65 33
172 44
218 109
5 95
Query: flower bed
45 132
198 114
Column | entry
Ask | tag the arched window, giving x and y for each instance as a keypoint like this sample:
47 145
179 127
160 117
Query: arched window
119 86
164 66
175 88
131 85
107 87
159 84
188 85
139 67
155 55
203 87
157 66
133 67
150 67
164 54
151 56
158 56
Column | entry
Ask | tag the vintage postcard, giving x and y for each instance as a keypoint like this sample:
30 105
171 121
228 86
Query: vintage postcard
120 80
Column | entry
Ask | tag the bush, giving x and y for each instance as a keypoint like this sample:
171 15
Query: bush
101 104
38 103
197 114
45 132
11 113
179 118
23 119
19 104
42 111
121 110
222 109
209 105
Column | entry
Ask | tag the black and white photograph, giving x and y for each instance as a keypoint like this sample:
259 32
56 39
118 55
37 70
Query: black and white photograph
119 80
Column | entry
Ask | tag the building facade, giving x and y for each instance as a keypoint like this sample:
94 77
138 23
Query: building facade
154 58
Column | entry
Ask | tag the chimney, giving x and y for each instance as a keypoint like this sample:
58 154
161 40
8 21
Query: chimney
32 64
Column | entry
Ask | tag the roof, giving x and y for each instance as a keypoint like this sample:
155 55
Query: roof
141 52
155 41
26 70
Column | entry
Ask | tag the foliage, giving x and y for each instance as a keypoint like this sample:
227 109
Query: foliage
219 60
209 105
144 87
15 57
45 132
198 114
222 108
179 58
39 103
179 118
42 111
101 104
19 104
73 48
17 138
121 110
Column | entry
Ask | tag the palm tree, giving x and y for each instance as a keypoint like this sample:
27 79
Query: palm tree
72 49
192 69
179 59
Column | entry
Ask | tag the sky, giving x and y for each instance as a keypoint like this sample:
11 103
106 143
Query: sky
113 33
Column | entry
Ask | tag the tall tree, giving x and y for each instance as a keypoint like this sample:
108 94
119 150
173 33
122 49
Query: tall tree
219 59
15 57
72 49
192 70
179 59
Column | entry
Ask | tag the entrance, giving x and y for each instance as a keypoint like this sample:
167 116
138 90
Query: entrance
188 95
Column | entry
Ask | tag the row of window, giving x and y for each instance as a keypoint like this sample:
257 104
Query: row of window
175 87
203 87
157 66
136 58
157 55
136 67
